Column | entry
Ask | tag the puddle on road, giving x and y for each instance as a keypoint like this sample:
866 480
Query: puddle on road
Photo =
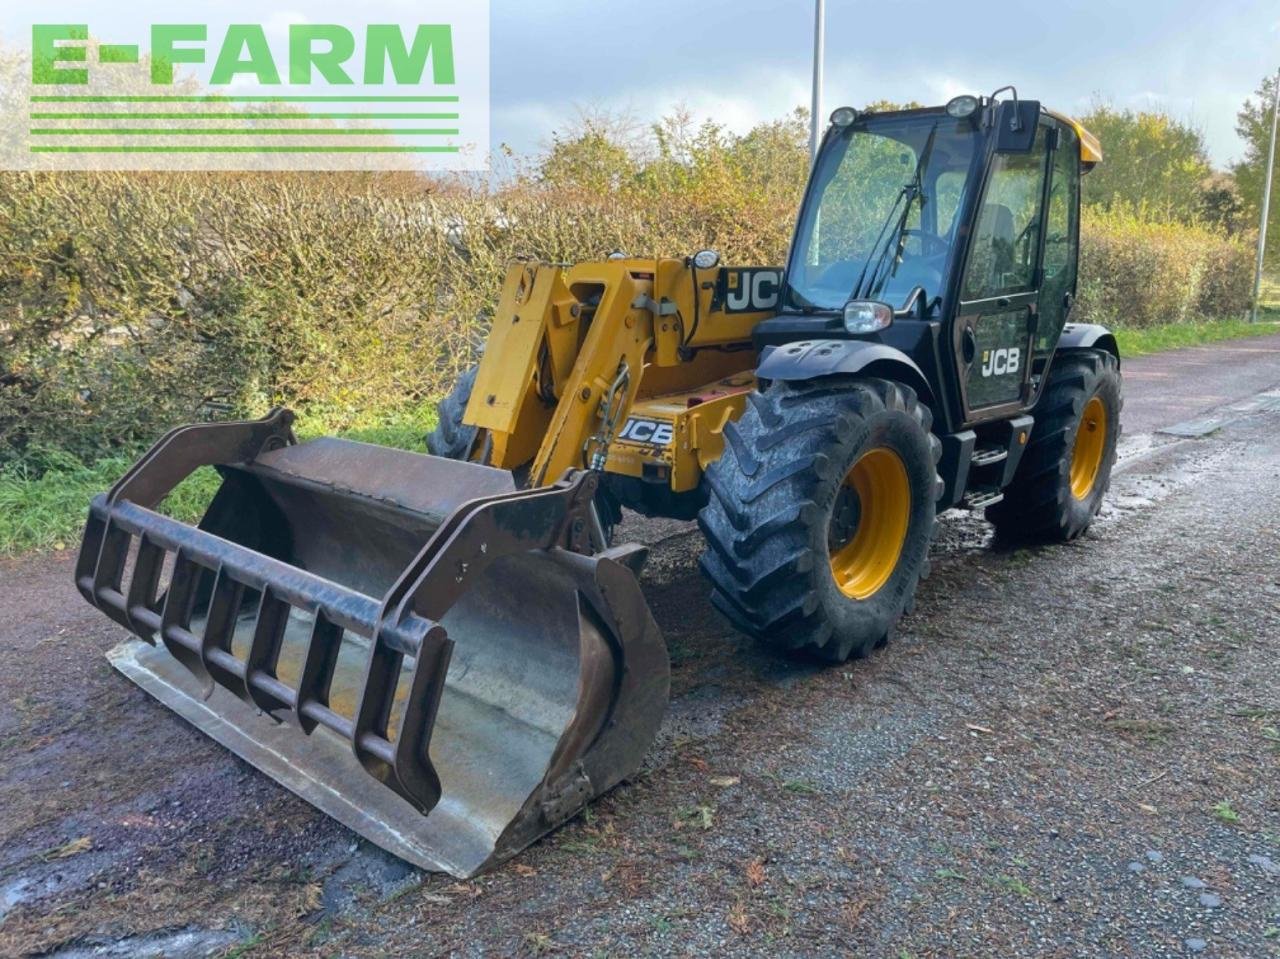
14 893
183 944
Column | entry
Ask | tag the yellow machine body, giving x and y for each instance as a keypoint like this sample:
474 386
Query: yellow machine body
632 365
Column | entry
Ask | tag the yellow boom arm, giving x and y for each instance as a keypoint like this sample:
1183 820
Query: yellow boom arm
573 349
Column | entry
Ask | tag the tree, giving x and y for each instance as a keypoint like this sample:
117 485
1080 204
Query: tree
1253 123
889 106
1150 161
597 154
1221 204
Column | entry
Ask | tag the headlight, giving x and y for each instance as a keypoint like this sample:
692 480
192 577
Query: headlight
843 116
962 106
867 316
706 259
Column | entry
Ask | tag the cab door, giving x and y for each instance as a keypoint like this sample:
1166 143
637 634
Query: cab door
996 319
1061 250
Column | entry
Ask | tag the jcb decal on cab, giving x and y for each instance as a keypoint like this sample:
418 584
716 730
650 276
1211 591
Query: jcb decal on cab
747 290
1001 362
653 432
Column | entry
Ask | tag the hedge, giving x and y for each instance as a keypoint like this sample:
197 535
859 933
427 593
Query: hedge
131 302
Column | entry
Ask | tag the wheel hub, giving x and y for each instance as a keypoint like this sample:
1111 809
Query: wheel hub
869 523
1091 442
845 516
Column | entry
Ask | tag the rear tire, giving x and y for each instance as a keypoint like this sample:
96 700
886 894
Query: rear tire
453 438
1066 468
784 518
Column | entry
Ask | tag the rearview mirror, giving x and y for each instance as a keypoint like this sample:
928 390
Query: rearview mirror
1016 125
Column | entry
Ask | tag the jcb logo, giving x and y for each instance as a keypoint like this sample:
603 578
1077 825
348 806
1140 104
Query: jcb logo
747 290
1001 362
652 432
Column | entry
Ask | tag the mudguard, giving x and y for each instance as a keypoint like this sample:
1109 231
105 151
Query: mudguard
811 359
1089 336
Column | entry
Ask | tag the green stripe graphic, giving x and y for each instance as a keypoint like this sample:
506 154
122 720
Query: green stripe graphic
54 115
243 99
222 131
243 149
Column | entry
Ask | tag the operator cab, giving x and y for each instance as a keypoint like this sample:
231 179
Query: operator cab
949 233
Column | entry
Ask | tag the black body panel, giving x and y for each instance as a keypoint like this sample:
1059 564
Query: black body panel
916 341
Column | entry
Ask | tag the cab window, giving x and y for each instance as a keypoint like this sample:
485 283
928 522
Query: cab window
1060 240
1002 254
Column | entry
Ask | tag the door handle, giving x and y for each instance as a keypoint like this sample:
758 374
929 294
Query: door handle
969 345
1003 302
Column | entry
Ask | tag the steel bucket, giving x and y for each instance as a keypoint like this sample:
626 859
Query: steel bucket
448 665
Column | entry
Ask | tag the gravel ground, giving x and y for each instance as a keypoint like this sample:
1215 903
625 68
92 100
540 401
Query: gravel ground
1066 751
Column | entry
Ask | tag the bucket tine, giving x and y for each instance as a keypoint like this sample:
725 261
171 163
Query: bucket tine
412 765
140 607
175 620
109 574
318 664
464 665
264 654
220 628
417 782
404 765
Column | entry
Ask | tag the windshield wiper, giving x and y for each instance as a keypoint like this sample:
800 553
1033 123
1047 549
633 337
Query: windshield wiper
910 192
893 210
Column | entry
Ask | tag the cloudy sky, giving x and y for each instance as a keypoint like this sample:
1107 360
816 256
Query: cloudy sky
741 61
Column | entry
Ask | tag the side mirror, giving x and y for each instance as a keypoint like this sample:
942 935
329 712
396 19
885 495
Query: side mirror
1016 125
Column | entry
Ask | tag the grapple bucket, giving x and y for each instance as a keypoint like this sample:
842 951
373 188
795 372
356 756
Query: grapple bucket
447 665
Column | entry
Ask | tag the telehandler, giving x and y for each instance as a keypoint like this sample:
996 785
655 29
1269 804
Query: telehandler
466 650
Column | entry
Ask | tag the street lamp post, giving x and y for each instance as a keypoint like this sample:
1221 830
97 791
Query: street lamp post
815 109
1266 201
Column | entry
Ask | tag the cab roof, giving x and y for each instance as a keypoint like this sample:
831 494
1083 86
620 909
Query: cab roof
1090 145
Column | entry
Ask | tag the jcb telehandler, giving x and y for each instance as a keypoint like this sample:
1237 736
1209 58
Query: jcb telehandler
469 654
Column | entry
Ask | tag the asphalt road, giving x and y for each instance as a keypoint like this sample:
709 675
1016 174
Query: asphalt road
1066 751
1168 388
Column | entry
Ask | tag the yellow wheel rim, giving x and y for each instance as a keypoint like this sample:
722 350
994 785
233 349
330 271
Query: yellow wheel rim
863 563
1091 440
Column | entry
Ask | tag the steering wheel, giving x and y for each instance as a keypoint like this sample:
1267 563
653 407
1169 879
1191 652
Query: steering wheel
930 243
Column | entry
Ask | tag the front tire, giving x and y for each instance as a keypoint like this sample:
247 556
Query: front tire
820 514
1066 468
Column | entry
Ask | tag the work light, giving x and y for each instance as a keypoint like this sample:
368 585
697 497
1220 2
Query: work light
866 316
843 116
962 106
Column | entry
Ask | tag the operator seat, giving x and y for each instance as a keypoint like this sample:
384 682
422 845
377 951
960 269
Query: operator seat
1002 239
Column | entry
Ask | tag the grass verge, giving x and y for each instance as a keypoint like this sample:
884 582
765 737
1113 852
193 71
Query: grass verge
1172 336
45 508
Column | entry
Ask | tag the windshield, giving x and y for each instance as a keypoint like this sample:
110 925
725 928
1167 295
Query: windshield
881 218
